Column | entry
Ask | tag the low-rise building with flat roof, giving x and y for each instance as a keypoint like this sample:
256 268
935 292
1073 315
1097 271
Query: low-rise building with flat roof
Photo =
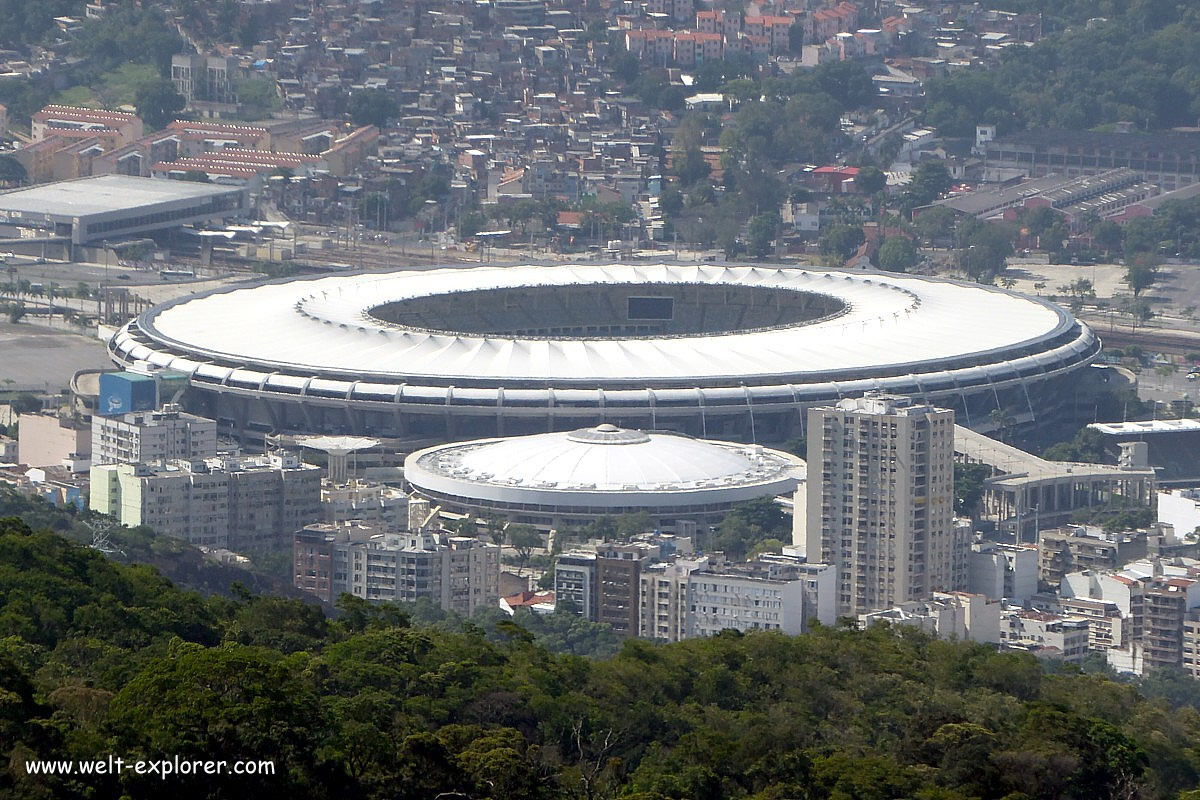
104 207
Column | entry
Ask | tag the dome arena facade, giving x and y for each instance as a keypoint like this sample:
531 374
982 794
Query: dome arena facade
725 352
573 478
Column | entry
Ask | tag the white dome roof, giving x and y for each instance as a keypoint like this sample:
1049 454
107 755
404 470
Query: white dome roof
603 466
604 458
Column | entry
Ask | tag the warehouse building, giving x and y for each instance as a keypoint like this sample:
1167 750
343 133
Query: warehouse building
91 210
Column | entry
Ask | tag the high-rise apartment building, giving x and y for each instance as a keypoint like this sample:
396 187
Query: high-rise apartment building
663 599
244 503
618 583
149 436
881 501
575 583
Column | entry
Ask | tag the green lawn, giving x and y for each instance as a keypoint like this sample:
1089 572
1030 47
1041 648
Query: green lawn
113 89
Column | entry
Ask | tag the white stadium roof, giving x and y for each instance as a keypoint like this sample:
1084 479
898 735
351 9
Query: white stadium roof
322 327
604 466
728 351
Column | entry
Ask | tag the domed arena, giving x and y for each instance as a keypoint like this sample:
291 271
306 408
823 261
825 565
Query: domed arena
557 479
726 352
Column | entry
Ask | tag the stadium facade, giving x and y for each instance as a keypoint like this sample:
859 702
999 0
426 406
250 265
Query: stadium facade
725 352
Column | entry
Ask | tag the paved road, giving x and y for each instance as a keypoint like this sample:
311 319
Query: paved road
37 358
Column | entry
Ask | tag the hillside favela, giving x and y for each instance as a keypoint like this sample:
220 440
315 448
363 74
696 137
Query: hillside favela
599 400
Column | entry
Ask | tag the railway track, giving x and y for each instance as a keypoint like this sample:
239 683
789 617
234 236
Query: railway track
1153 339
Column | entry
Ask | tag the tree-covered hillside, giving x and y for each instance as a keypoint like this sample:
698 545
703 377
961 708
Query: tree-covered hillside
99 658
1137 64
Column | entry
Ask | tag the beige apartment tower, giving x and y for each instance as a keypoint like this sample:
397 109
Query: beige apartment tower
881 501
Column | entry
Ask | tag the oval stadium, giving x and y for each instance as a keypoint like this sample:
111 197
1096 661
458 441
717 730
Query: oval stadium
726 352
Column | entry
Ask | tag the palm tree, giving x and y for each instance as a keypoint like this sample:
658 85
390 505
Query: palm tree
1003 419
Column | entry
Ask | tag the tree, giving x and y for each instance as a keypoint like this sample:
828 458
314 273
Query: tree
796 38
670 201
157 102
968 487
690 166
871 180
1107 235
761 232
1087 447
232 703
841 240
372 107
16 312
847 82
986 247
929 182
523 538
897 254
625 66
1141 274
934 223
766 546
25 403
466 527
471 224
634 523
1139 311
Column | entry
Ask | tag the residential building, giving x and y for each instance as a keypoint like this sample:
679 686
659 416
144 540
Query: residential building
1003 571
663 601
947 615
1046 635
575 583
117 127
880 501
618 584
1166 607
1155 598
741 597
374 504
458 574
1106 628
237 503
1191 643
205 78
1077 548
152 436
48 440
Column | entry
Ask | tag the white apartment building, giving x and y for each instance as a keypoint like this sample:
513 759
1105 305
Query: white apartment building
721 600
372 503
575 583
459 574
960 615
663 602
152 436
1107 630
242 503
1045 634
881 501
1155 600
1003 571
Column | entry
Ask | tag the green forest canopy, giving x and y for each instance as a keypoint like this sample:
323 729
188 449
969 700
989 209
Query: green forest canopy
99 658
